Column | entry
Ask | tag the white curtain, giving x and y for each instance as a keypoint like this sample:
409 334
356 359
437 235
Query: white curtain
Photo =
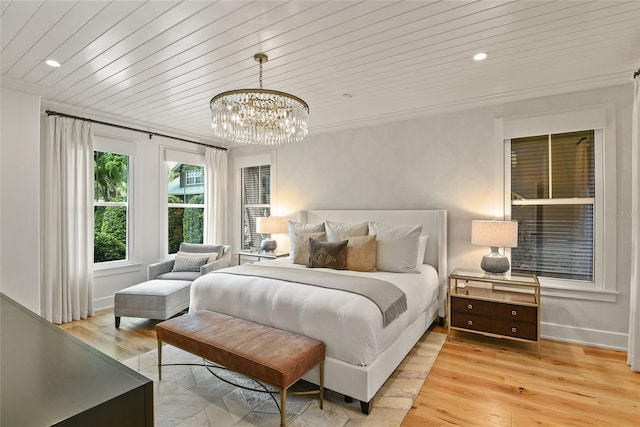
216 196
634 312
66 283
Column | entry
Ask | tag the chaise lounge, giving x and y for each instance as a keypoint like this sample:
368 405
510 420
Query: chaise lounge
166 291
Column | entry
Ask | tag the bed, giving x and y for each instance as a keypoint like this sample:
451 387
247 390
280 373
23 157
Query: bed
362 351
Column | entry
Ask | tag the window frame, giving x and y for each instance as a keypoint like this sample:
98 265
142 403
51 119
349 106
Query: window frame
109 143
240 163
602 120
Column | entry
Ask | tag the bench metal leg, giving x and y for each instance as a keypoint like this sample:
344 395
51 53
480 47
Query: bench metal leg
321 383
283 406
159 360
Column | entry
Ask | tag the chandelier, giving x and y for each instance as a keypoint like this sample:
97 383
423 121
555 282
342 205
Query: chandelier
259 116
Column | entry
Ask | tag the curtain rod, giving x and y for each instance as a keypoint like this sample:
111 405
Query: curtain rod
151 134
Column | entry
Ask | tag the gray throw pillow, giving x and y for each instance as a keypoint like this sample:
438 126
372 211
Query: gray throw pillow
189 263
327 254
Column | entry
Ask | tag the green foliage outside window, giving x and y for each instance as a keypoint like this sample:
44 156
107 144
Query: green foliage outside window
175 225
194 221
111 173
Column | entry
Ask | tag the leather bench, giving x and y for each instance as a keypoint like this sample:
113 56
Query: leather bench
272 356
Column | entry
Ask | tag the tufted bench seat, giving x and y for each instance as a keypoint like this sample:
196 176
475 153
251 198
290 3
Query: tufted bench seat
278 358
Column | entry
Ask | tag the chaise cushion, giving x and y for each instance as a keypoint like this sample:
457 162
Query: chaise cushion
154 299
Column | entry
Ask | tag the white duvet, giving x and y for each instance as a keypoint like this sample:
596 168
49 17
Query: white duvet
349 324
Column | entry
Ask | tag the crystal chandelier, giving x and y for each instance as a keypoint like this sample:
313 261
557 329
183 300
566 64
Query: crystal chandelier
259 116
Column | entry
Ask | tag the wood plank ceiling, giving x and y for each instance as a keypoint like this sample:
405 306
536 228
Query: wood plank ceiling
158 63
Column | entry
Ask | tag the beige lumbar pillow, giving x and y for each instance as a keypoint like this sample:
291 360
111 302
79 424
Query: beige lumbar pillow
361 253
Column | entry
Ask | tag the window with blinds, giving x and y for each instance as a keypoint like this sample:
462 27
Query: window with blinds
553 199
256 202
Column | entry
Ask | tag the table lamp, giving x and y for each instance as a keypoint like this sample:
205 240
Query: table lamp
269 225
495 234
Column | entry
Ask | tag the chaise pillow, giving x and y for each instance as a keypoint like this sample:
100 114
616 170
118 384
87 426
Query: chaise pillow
189 263
299 227
301 253
327 254
361 253
396 247
335 230
212 255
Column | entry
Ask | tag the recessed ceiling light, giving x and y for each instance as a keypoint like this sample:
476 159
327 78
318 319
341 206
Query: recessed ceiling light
52 63
480 56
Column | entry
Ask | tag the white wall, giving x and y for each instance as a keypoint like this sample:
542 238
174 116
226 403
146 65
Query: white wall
454 161
19 197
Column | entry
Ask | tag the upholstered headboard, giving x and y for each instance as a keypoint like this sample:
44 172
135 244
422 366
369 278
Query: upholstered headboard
434 224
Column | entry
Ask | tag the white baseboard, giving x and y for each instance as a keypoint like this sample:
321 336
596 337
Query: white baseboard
585 336
102 303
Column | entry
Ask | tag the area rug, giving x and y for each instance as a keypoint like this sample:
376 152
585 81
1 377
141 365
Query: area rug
192 396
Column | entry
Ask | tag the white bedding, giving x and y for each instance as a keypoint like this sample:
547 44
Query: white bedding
349 324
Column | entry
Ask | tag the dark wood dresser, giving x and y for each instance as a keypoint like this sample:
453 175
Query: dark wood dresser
504 306
50 378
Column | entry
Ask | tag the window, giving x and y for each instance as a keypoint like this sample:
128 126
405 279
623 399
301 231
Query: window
560 185
185 204
111 206
195 176
255 202
553 196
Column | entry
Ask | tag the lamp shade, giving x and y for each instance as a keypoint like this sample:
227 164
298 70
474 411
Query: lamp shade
269 225
502 234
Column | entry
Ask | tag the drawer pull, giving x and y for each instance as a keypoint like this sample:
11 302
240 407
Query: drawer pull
470 306
470 322
514 330
514 313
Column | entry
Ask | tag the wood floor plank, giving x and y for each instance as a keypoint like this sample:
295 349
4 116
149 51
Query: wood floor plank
474 381
479 381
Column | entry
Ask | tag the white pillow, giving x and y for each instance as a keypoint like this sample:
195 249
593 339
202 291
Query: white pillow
422 248
396 247
337 230
298 227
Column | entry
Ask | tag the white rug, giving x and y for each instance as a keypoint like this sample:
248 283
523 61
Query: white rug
192 396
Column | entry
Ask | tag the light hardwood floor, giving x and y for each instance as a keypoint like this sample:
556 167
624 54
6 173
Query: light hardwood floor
475 381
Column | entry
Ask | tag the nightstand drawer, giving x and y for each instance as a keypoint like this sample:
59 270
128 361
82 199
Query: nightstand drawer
524 330
494 309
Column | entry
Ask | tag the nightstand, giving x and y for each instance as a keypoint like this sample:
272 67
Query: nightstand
503 306
259 255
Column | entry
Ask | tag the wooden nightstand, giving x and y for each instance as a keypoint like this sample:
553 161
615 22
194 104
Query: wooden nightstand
259 255
503 306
